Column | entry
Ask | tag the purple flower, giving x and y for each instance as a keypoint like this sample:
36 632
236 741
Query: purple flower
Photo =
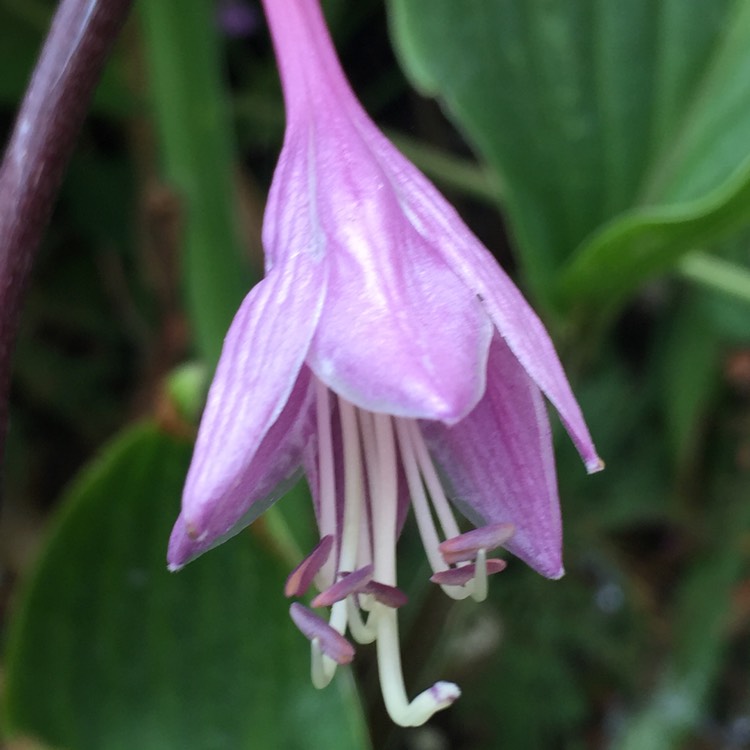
388 356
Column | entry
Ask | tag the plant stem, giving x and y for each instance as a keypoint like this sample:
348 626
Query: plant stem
51 115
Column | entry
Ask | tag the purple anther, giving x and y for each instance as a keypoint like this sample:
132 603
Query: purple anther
349 583
301 577
464 574
391 596
329 641
465 546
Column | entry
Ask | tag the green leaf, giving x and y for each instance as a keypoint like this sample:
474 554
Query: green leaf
192 117
650 240
619 130
108 650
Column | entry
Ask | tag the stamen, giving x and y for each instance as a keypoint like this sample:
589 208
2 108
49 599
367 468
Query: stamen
350 583
421 507
318 670
326 475
466 546
364 548
302 576
327 666
349 534
479 584
464 574
330 642
361 632
434 485
366 544
371 466
384 504
353 485
419 503
391 596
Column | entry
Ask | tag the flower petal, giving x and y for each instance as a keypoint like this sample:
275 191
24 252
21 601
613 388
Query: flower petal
271 472
499 464
289 223
442 228
399 332
259 410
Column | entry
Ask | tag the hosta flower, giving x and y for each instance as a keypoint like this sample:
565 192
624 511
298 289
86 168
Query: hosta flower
388 356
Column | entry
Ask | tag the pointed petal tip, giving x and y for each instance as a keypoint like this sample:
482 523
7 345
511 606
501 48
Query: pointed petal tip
558 574
552 569
184 545
594 464
547 565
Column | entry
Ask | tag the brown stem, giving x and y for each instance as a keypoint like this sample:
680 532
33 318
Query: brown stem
52 112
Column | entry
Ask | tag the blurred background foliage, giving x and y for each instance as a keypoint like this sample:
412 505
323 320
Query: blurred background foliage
602 151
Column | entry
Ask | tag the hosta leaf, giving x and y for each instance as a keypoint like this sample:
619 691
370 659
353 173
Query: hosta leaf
620 130
109 651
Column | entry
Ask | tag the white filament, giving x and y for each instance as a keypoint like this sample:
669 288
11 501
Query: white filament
421 505
479 584
434 485
326 482
368 535
350 533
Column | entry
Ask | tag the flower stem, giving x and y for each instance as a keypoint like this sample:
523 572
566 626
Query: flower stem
52 112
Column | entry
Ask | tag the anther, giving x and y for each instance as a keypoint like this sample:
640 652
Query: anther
302 576
466 546
464 574
391 596
350 583
330 642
